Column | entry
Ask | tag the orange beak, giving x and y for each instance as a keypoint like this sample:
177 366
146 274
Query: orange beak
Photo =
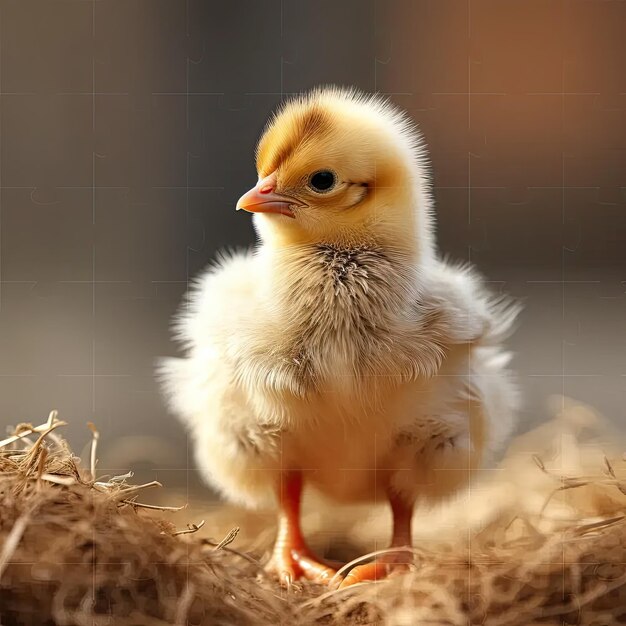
263 199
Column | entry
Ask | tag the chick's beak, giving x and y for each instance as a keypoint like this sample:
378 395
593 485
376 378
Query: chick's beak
263 199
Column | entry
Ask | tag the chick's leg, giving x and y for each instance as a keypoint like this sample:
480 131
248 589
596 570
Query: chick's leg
291 558
394 562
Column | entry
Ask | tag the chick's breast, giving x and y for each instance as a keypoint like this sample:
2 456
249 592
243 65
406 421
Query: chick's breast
356 434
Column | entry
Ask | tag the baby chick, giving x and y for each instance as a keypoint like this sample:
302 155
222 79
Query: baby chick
341 353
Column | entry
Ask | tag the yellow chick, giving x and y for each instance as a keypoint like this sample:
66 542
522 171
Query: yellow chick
342 353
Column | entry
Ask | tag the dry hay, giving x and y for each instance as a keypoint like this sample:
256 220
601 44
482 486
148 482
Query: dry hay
534 546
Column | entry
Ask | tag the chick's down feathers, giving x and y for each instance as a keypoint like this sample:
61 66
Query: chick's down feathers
342 346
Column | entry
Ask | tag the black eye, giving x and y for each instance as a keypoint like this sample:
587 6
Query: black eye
321 181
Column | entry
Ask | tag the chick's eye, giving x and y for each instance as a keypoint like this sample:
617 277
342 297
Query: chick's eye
322 181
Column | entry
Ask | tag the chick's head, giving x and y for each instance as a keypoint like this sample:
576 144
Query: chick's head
339 167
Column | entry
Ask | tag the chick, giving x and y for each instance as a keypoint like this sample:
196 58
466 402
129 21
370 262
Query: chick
342 353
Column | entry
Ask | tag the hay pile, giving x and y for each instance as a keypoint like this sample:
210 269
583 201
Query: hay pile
533 546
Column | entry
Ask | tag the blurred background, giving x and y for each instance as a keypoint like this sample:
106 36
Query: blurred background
127 131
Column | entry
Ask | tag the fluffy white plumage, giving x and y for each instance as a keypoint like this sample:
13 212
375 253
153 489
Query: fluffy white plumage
343 346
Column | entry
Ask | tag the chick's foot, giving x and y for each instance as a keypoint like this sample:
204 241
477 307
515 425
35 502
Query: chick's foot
293 563
400 557
291 558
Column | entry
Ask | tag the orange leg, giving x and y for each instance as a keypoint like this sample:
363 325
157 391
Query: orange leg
292 559
394 562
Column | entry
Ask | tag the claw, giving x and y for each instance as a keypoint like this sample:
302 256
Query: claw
286 580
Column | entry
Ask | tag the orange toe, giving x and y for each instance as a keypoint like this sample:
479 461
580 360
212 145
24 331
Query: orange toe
291 565
389 565
313 569
284 569
369 572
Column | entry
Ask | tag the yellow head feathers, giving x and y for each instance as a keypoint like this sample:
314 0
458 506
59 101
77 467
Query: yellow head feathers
340 166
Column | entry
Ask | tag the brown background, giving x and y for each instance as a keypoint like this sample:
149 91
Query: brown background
127 131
